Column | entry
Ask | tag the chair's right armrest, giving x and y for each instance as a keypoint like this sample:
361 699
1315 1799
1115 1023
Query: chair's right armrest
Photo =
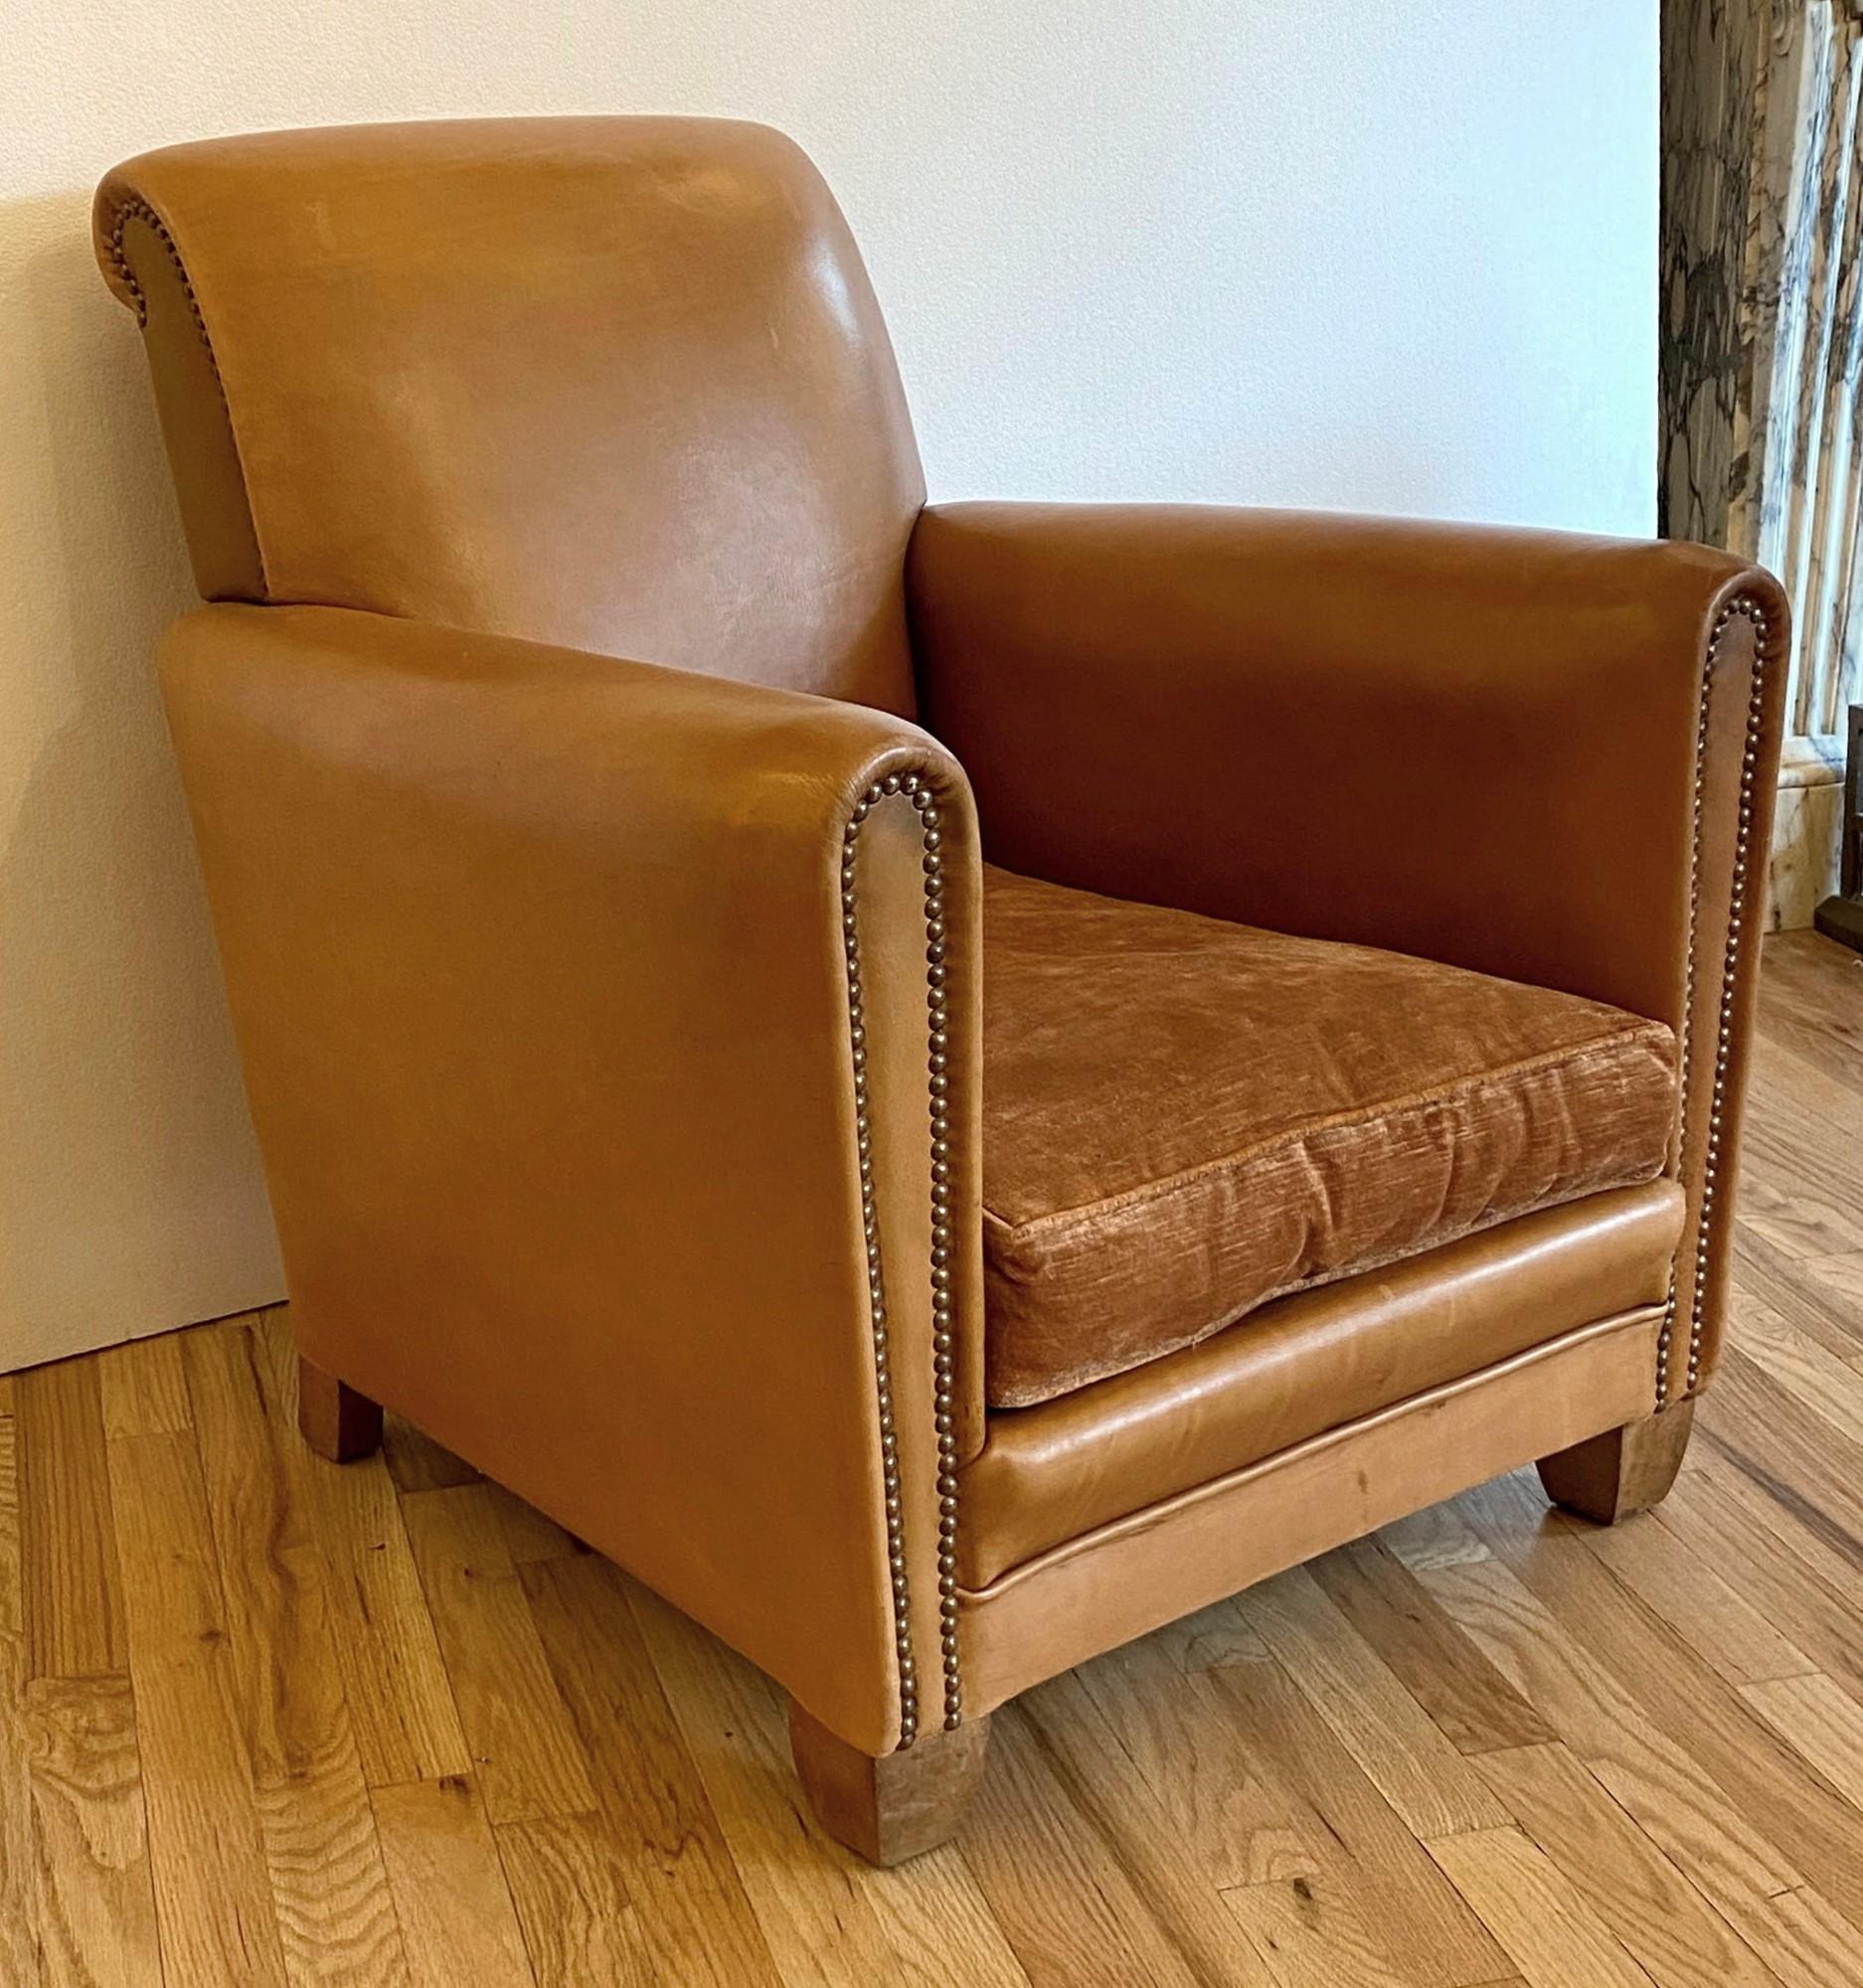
1531 753
600 1071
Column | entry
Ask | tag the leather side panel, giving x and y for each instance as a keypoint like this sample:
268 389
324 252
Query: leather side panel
538 966
1131 1577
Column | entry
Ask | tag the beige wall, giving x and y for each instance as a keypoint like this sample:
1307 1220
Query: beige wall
1300 250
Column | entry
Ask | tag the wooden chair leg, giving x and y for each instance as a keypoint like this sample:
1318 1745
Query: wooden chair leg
1624 1470
888 1811
333 1418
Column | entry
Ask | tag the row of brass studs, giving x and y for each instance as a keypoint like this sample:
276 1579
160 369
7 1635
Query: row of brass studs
136 210
944 1338
924 799
1736 911
1667 1336
1744 605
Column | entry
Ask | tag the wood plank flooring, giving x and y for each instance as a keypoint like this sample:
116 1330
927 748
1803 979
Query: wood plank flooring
267 1722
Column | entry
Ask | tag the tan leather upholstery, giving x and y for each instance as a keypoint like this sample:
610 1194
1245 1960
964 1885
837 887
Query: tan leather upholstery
613 1014
1309 1363
1119 1581
548 1049
1538 755
1184 1117
616 382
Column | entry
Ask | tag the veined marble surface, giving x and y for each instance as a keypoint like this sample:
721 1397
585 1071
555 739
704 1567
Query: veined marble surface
1806 827
1763 354
1710 78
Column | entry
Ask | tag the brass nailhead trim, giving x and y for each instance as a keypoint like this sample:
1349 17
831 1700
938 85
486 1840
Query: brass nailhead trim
923 798
1743 605
138 210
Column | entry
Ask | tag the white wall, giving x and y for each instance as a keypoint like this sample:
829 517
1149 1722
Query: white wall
1322 252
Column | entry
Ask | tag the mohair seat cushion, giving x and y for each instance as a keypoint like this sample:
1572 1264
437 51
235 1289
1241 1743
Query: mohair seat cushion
1184 1118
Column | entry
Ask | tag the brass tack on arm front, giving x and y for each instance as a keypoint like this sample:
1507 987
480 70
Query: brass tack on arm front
922 796
1746 607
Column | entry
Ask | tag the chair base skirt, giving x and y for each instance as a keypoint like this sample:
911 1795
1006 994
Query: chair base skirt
1133 1575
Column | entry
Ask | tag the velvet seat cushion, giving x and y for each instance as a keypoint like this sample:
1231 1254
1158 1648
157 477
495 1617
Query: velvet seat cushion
1184 1118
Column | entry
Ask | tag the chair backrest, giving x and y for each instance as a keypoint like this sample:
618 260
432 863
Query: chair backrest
614 381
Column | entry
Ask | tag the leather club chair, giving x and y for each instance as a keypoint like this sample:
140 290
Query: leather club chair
947 1084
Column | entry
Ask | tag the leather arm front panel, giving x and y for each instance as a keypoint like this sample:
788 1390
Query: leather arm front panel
1534 755
540 964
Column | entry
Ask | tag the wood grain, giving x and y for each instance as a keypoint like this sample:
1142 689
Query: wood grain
401 1701
1722 1629
1790 1575
75 1610
1658 1780
12 1549
809 1895
1097 1791
22 1933
458 1920
1630 1886
1064 1896
1490 1746
335 1913
1312 1932
1213 1796
1820 1723
1398 1746
1472 1704
144 1388
1535 1909
526 1756
96 1887
571 1894
417 1463
213 1893
1429 1934
694 1921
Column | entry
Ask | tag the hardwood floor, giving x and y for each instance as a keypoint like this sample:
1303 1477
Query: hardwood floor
267 1720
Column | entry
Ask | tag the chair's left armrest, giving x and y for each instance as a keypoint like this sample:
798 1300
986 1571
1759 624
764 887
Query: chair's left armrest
1532 754
612 1035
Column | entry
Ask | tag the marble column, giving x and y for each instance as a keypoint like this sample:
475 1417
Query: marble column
1710 84
1762 352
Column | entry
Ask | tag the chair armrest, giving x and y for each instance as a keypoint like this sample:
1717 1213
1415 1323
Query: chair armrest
1540 755
540 976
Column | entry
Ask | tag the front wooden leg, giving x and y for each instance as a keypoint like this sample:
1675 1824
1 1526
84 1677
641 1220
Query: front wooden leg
1624 1470
333 1418
888 1811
